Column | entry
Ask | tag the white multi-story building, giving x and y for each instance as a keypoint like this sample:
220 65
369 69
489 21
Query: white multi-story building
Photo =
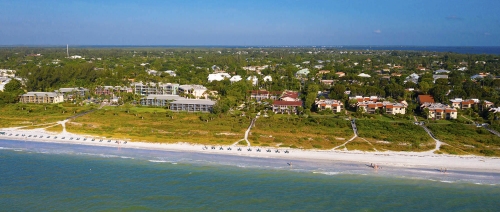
41 97
440 111
155 88
332 104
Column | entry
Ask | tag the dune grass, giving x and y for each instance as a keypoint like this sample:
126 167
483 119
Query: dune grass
155 125
321 132
466 139
13 115
395 136
55 128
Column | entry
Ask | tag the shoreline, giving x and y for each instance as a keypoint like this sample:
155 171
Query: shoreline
382 159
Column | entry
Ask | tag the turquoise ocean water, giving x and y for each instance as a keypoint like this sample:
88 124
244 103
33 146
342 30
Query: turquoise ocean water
45 177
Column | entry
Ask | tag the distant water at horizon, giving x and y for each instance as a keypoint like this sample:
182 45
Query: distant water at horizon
48 176
495 50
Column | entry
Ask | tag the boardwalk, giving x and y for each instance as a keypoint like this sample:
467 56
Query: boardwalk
492 131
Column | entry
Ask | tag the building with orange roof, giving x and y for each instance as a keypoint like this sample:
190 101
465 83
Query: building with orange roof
422 99
440 111
469 103
386 106
335 105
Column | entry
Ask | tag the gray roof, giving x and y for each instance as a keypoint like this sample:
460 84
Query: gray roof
189 87
65 90
442 71
49 94
154 84
165 97
195 101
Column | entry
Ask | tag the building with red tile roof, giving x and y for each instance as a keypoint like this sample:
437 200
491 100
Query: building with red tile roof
422 99
440 111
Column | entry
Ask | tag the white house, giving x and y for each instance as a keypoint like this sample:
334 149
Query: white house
412 78
171 73
253 79
7 73
152 72
3 82
235 78
268 78
302 73
196 90
218 77
364 75
76 57
319 66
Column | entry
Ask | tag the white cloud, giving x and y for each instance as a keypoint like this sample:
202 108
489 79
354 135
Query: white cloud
378 31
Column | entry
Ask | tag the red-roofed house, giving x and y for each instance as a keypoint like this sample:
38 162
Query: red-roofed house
469 103
287 103
286 106
422 99
290 96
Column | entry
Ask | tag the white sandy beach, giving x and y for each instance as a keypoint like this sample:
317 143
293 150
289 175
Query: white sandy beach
382 159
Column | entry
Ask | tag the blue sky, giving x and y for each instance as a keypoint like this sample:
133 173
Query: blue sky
250 22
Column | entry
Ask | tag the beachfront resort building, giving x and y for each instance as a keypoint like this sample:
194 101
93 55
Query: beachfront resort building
260 95
112 90
192 105
155 88
334 105
159 100
41 97
288 103
469 103
386 106
440 111
72 93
